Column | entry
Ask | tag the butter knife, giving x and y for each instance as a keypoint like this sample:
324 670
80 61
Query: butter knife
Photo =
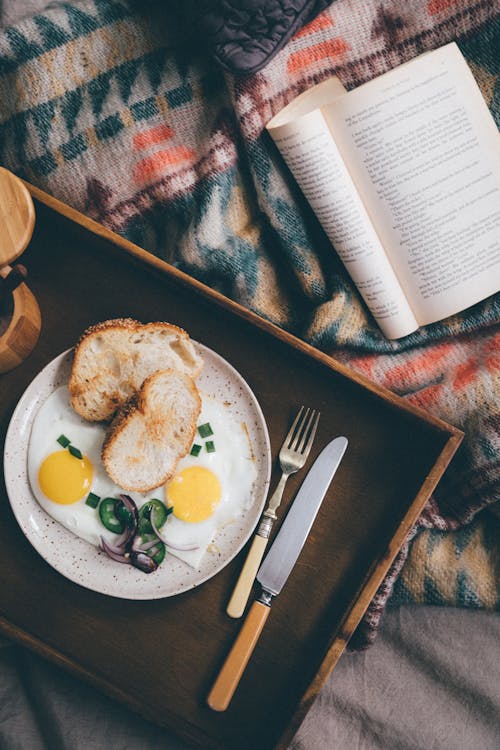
277 566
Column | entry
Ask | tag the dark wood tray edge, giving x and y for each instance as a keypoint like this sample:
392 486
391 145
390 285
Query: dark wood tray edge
219 299
376 575
367 591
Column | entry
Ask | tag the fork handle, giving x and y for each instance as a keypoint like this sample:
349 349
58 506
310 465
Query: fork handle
241 592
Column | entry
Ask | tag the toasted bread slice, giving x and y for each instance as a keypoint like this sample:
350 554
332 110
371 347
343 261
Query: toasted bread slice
114 358
152 432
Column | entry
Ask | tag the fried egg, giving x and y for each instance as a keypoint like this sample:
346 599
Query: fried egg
213 488
212 485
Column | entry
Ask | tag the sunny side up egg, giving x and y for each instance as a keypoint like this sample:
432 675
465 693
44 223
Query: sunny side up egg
208 490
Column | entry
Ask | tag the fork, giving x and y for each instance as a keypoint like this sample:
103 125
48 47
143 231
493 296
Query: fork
292 457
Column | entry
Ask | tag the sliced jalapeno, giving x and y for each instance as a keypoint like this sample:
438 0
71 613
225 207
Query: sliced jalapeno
114 515
122 513
160 513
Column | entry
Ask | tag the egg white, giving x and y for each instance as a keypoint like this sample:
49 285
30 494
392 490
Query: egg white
232 463
234 466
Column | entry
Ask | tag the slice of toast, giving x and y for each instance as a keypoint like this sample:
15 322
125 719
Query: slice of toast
114 358
152 432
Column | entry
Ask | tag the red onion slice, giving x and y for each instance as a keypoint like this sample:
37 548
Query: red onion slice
128 548
132 508
116 549
162 538
110 550
143 562
122 543
143 547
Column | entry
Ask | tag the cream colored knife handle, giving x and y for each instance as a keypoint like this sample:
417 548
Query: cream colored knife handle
237 659
240 595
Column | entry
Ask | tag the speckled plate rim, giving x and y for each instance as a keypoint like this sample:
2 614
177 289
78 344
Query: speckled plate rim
84 564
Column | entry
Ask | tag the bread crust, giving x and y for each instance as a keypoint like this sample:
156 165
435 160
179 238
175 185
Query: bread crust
139 407
124 323
96 392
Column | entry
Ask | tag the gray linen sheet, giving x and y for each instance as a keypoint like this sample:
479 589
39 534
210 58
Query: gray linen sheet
431 681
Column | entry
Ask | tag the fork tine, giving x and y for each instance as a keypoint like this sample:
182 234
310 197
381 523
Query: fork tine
306 437
302 431
291 432
310 439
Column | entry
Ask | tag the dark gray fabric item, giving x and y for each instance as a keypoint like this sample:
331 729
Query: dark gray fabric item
244 35
431 681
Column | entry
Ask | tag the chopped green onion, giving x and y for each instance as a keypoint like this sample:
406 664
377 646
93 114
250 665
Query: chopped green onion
170 509
210 446
63 440
92 500
205 430
195 450
75 452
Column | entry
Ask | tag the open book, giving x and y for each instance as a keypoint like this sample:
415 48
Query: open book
404 175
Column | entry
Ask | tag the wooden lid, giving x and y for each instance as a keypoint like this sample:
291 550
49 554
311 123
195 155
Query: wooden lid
17 217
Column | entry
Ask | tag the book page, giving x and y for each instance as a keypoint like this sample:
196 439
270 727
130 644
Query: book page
424 153
317 96
317 166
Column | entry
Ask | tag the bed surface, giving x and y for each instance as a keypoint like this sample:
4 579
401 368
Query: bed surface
431 680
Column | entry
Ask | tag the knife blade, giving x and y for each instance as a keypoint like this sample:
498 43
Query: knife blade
276 568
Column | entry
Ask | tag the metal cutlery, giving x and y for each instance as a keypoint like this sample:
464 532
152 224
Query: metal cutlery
276 568
292 457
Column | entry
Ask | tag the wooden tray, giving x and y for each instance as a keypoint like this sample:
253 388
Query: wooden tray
160 657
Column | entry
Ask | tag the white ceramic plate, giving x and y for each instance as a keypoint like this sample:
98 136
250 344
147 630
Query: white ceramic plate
86 565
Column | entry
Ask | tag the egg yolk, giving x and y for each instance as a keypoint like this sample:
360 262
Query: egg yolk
63 478
194 494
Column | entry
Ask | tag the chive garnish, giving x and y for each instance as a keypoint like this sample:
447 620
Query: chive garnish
92 500
195 450
75 452
205 430
210 446
63 440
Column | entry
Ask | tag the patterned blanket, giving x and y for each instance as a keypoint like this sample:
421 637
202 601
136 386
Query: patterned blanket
110 106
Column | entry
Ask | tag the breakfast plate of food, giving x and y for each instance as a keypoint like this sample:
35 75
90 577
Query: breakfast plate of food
137 464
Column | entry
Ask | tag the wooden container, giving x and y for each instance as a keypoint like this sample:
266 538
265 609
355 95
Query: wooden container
20 318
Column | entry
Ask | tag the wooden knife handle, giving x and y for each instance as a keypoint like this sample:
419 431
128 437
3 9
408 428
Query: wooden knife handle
227 681
241 592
